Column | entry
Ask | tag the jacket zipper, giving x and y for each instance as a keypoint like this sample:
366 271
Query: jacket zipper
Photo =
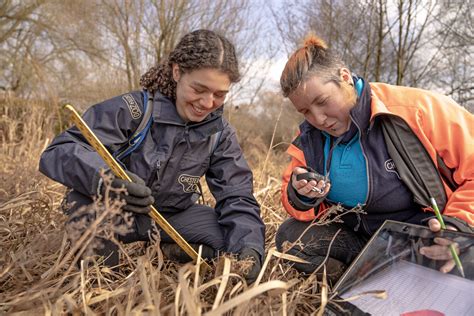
186 135
366 162
360 218
156 173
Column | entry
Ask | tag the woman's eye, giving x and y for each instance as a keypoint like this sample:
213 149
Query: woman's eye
198 90
323 102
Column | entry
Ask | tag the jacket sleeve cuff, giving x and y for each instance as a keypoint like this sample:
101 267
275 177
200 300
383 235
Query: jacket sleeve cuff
98 181
457 223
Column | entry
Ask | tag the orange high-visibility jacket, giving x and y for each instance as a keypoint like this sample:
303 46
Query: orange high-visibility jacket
445 129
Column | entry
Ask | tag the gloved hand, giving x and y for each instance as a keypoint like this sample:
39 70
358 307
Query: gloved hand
138 196
252 274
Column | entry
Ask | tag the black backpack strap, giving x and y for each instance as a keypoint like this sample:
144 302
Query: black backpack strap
148 104
413 162
137 137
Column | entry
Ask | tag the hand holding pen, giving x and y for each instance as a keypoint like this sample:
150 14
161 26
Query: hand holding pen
444 249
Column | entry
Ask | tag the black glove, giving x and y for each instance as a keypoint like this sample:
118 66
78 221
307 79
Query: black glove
138 196
252 274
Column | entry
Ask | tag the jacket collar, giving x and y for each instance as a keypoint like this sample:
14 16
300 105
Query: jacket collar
360 113
164 111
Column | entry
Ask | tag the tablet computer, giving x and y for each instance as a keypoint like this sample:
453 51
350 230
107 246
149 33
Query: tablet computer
390 266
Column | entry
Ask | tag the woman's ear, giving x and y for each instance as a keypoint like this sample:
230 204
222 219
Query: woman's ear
346 76
176 72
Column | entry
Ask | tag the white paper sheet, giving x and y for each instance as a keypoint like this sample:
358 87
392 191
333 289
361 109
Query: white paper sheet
411 287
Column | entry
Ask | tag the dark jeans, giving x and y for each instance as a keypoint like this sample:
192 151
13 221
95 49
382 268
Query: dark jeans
314 244
197 225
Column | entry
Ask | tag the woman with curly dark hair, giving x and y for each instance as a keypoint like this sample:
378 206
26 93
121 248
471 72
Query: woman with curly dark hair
188 138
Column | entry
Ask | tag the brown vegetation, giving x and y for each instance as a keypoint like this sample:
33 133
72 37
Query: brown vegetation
37 270
87 51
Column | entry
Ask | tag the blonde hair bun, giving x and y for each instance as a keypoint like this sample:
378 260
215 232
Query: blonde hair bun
315 41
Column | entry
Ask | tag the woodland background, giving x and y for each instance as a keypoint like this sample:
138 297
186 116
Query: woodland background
84 51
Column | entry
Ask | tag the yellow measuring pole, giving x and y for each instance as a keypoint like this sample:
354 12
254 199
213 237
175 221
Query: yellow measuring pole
119 172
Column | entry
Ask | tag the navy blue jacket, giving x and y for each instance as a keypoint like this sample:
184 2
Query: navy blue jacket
388 197
171 159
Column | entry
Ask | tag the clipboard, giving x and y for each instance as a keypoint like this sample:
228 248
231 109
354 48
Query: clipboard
391 262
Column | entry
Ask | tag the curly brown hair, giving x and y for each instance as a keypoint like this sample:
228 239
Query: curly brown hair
314 58
196 50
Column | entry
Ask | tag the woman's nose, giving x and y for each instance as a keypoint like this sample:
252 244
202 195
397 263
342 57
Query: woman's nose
319 117
207 101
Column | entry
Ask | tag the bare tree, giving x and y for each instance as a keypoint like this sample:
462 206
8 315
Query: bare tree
86 50
122 25
164 25
413 19
16 21
39 43
406 42
450 64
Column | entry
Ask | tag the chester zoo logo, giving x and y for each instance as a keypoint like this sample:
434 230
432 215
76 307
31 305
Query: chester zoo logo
390 167
135 111
189 183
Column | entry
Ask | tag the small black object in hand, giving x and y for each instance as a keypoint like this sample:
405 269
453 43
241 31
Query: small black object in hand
308 176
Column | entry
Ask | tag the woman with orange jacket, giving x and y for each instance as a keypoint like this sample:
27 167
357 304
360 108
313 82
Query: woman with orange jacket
387 149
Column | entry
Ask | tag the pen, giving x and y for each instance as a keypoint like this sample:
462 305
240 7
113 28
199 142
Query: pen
451 247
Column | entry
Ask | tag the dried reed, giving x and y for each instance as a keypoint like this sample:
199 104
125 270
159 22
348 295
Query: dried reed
38 270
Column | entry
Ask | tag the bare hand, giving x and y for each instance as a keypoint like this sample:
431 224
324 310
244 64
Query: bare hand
440 250
310 189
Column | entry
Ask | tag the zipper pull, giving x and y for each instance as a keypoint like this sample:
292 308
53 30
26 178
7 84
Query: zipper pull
158 167
371 125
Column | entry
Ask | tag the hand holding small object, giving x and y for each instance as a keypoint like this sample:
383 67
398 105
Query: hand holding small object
310 184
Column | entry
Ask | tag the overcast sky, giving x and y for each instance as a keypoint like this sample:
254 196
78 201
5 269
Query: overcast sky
270 63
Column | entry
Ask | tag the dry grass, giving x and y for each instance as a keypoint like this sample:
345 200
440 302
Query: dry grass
37 270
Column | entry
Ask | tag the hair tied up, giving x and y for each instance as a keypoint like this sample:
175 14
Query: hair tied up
314 41
313 59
